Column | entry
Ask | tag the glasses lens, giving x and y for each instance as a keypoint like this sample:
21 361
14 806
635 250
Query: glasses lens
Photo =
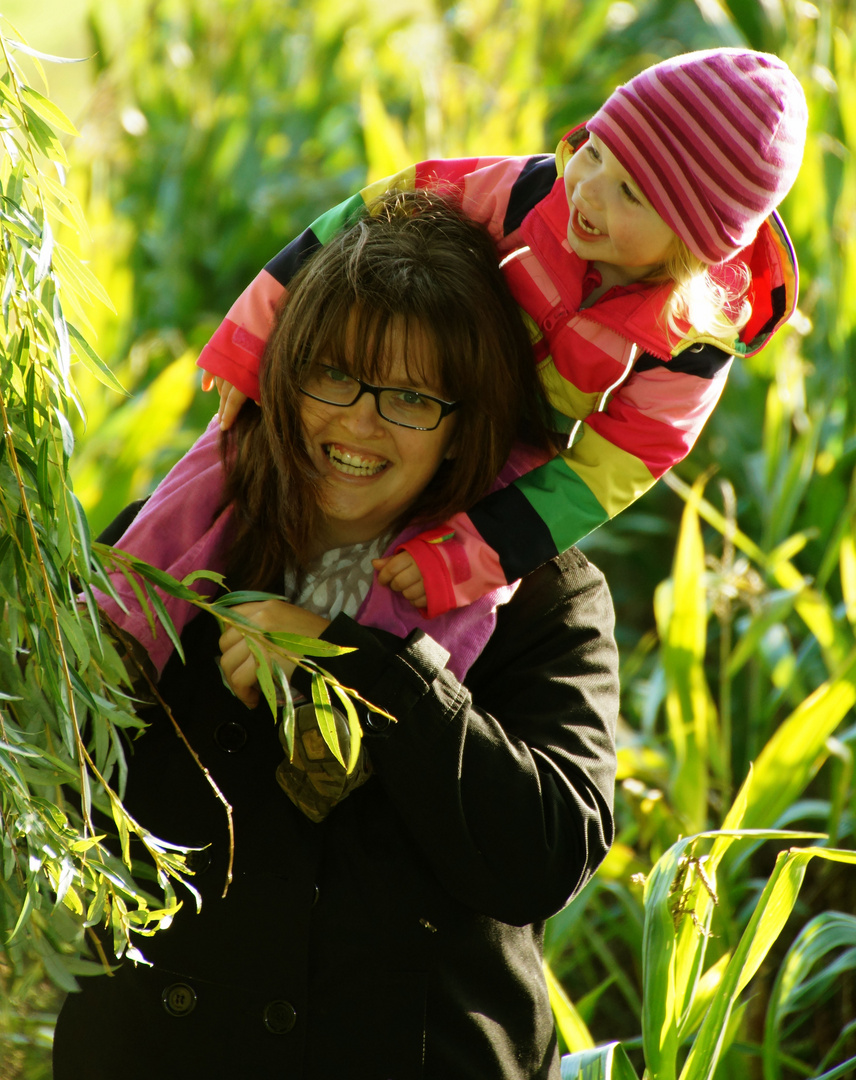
409 408
330 384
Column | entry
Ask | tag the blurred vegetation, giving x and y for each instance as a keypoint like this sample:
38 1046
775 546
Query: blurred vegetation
215 132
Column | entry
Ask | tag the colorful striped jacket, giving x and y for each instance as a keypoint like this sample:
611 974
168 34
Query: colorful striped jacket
633 399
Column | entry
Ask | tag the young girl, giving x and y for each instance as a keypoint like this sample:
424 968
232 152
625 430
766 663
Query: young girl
650 261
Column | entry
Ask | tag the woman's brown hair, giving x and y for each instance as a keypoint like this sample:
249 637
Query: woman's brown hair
415 263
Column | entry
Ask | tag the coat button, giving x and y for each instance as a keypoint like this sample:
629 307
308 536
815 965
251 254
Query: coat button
376 722
230 736
198 860
179 999
279 1017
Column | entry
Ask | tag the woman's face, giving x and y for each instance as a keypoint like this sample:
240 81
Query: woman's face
372 470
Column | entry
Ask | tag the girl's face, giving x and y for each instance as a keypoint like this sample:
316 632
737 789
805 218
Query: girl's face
372 470
611 221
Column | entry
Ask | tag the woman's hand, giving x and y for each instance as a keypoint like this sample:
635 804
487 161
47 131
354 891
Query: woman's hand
238 664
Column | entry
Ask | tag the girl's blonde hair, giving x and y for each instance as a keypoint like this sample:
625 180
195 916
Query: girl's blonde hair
711 299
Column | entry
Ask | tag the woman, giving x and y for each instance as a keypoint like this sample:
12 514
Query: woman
398 935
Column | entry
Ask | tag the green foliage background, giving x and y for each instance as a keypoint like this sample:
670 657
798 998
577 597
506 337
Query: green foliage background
212 132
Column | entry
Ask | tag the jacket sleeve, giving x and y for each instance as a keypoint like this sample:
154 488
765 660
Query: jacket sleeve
504 783
496 192
650 424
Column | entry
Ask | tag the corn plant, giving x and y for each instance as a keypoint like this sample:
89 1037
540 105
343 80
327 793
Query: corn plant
691 1012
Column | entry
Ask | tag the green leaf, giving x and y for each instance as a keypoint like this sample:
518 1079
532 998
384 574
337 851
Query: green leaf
48 111
82 523
326 719
93 362
76 275
355 731
57 971
203 575
841 1072
571 1025
288 721
21 47
165 621
608 1062
264 673
770 914
43 136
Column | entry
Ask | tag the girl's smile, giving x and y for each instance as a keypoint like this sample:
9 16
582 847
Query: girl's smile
611 222
582 226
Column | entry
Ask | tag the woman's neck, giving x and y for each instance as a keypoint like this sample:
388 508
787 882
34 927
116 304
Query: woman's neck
330 539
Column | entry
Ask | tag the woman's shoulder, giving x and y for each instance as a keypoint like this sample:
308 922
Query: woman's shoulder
555 604
567 575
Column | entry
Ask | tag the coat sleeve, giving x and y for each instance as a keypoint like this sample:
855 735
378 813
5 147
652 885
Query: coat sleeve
650 424
504 783
497 192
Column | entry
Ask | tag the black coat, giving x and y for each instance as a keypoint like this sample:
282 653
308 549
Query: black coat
400 938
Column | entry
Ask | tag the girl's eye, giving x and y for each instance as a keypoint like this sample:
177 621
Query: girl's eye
629 195
592 153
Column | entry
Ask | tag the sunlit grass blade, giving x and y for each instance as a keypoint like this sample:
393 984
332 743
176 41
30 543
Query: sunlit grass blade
571 1025
795 752
681 610
608 1062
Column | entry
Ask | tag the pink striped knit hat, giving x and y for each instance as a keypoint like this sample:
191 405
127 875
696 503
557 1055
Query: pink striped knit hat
714 140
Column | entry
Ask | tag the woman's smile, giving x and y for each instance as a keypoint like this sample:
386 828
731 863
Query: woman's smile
373 470
354 462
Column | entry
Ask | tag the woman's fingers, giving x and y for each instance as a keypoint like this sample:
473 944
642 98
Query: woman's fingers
237 662
239 669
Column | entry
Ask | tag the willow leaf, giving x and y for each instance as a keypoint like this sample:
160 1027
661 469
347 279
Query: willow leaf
326 719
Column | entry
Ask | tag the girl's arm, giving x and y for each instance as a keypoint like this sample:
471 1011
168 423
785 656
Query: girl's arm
498 192
650 424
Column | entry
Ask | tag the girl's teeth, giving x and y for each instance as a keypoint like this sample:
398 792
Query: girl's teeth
587 225
353 464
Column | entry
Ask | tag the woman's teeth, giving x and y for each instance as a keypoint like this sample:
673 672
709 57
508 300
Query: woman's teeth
353 464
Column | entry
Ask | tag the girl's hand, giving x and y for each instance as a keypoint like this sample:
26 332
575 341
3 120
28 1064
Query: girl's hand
231 399
401 574
238 664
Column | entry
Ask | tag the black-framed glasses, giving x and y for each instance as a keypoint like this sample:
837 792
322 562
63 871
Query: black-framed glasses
397 404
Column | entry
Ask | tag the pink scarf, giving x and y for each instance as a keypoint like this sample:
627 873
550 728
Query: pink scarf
178 530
